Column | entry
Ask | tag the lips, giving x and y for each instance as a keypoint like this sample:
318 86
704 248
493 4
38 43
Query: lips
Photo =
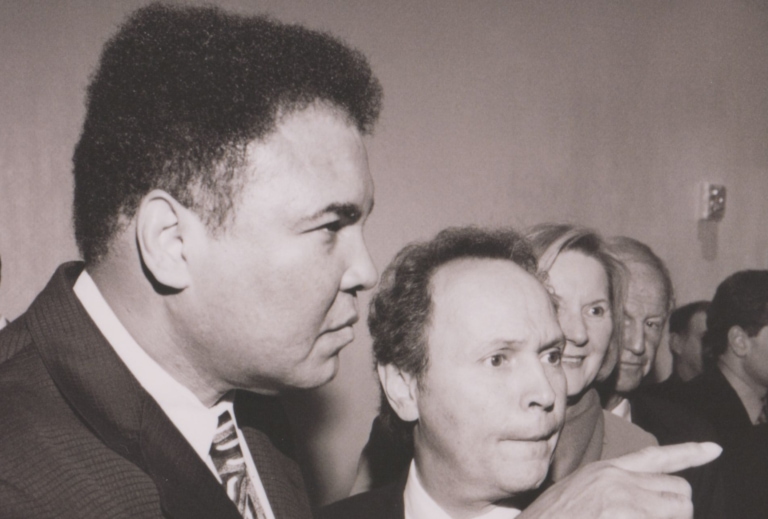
572 361
535 437
346 324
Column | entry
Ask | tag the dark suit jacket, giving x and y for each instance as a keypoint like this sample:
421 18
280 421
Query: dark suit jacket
712 397
746 475
381 503
672 423
80 438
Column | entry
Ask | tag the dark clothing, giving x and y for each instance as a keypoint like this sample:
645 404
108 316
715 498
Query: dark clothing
82 439
388 456
712 397
745 471
671 423
381 503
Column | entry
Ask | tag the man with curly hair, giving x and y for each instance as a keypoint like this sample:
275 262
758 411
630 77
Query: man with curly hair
221 185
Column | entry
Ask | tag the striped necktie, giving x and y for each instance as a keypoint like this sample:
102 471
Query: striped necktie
229 462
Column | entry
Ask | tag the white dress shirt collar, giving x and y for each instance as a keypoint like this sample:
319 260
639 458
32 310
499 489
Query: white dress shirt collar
420 505
623 409
196 422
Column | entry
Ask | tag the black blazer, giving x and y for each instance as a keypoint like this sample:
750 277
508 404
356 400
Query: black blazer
672 423
712 397
381 503
82 439
745 470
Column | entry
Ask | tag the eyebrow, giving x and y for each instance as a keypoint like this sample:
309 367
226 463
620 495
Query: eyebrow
516 344
350 212
556 343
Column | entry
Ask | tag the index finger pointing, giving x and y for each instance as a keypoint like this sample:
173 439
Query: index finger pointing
668 459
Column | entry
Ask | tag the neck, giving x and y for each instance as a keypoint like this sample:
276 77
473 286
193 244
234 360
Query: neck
145 315
732 366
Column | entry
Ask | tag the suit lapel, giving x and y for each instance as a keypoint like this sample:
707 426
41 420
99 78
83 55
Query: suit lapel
186 485
110 400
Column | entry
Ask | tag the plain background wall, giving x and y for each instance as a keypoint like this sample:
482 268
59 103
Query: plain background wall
607 113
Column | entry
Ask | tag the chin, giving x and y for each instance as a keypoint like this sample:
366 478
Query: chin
533 477
319 375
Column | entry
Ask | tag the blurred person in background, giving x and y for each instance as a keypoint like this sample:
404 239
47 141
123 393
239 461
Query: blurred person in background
687 325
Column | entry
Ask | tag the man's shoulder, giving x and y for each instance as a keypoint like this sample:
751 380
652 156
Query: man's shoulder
382 503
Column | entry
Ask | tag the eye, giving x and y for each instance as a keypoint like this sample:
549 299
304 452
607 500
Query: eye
333 227
597 311
497 360
552 357
653 325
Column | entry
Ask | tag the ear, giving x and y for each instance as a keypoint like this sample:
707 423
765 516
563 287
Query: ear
401 389
675 342
738 341
160 238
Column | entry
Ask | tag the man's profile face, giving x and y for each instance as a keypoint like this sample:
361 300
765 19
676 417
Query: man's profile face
276 291
645 312
491 402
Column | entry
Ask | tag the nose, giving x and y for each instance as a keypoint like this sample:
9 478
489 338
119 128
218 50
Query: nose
572 324
634 341
540 386
361 273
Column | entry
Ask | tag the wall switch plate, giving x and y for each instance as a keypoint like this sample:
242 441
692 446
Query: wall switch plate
711 202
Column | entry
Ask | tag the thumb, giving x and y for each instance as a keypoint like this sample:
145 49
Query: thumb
669 459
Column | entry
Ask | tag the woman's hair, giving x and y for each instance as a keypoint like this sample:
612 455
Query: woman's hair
550 240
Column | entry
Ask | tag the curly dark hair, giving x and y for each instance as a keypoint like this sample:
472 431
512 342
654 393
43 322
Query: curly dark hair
178 95
740 300
401 309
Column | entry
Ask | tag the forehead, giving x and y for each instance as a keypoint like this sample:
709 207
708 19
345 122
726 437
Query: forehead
645 289
575 271
477 302
315 155
698 322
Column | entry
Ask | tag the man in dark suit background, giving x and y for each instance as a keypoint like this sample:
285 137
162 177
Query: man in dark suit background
221 185
732 394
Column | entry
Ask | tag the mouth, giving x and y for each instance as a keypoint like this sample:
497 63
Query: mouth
572 361
346 324
543 436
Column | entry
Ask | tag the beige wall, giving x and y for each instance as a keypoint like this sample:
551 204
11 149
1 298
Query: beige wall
606 113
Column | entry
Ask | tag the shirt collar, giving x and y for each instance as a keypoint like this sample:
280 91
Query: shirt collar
420 505
623 409
196 422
